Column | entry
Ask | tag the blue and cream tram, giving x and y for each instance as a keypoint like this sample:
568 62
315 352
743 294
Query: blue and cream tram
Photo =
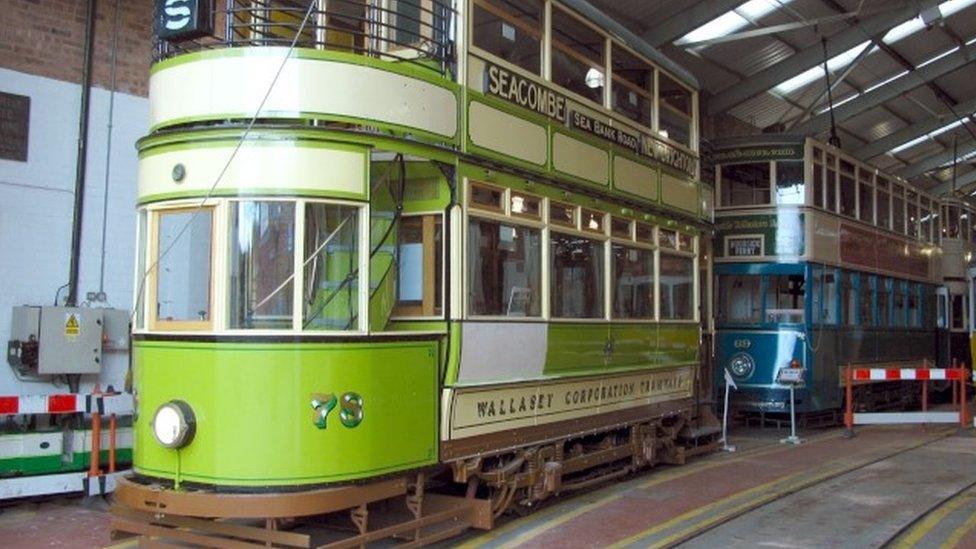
821 261
958 242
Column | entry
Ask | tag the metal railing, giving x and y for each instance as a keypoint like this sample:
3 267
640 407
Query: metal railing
420 32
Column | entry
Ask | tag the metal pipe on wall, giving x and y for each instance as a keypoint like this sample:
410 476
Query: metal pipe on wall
81 163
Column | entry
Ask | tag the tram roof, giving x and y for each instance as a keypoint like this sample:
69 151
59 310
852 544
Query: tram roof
903 81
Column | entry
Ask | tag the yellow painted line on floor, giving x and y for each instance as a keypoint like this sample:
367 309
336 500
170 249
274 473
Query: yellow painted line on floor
914 535
956 536
806 482
658 478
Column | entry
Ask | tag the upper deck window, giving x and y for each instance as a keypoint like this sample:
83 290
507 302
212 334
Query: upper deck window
911 213
675 110
898 208
633 86
865 196
577 56
848 191
745 184
510 30
883 204
789 182
830 182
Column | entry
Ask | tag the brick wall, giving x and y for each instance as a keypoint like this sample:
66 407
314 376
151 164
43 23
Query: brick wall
46 38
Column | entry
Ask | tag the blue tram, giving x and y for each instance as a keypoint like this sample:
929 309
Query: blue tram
820 261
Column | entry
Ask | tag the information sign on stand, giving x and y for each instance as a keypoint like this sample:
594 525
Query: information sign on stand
793 378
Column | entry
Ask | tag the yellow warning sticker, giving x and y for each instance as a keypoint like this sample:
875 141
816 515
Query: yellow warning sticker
72 326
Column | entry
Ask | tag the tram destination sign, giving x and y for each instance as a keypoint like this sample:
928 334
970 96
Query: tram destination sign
529 94
765 153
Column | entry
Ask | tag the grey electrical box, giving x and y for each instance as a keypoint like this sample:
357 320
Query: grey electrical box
65 340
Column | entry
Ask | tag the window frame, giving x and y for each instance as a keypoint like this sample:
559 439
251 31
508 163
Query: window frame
396 314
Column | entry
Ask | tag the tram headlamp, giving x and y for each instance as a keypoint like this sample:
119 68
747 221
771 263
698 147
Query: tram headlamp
742 365
173 424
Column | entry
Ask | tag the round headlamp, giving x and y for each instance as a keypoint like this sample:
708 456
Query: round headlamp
742 365
174 424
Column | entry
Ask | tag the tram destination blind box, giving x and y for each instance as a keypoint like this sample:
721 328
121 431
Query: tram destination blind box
793 378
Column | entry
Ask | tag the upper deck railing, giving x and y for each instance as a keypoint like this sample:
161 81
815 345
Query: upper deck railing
415 31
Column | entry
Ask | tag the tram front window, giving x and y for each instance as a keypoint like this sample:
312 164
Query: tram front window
784 299
331 267
739 299
745 184
262 265
182 275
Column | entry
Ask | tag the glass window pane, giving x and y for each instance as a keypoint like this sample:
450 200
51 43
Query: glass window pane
577 56
831 182
419 266
884 301
577 277
633 86
262 265
898 213
865 193
866 300
677 287
745 184
504 269
512 31
562 214
848 195
789 182
884 210
739 299
527 206
633 282
331 267
912 215
620 228
958 320
486 197
818 185
183 268
785 296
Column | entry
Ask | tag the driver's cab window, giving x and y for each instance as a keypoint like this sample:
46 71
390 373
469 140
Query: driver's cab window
785 299
180 286
740 300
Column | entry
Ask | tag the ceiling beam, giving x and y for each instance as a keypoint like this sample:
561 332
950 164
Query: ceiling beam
934 161
877 96
688 20
914 131
963 182
812 56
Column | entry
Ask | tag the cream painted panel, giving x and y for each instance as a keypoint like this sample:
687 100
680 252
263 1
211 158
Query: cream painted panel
635 178
679 193
502 132
235 86
255 167
491 409
573 157
502 351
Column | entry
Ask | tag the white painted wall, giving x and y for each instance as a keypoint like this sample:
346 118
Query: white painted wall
36 201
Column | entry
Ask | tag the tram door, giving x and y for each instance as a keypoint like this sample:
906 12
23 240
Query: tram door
953 326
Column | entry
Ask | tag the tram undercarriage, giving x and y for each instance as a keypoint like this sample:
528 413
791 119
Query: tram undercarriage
419 508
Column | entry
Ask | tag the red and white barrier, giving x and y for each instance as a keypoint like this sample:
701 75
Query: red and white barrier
66 403
957 375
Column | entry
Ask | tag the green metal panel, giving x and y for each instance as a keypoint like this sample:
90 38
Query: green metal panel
255 421
576 349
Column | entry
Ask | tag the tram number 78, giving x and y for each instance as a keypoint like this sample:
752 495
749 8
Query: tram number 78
350 409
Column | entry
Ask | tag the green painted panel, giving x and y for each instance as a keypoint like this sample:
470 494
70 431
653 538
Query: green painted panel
255 423
678 343
634 346
576 349
44 465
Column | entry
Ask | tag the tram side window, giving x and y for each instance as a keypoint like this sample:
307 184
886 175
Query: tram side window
865 195
420 258
925 220
848 191
865 297
633 282
914 306
262 265
884 301
674 110
789 182
848 299
818 184
745 184
831 181
577 276
785 299
331 266
181 290
898 209
958 314
509 31
899 305
504 269
825 288
739 299
633 86
577 56
677 287
911 211
884 204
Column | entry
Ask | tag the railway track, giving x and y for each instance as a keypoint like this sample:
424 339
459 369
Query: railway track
962 501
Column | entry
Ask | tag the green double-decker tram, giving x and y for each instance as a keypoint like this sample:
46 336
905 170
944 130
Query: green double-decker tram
389 246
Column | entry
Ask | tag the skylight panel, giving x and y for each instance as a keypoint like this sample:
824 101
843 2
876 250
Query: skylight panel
931 135
953 6
813 73
732 20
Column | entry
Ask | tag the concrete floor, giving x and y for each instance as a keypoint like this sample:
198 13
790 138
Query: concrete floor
914 486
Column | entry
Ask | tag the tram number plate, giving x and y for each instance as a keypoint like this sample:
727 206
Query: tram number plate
790 376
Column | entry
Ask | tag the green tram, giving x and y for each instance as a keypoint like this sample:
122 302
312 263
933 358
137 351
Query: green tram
386 246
